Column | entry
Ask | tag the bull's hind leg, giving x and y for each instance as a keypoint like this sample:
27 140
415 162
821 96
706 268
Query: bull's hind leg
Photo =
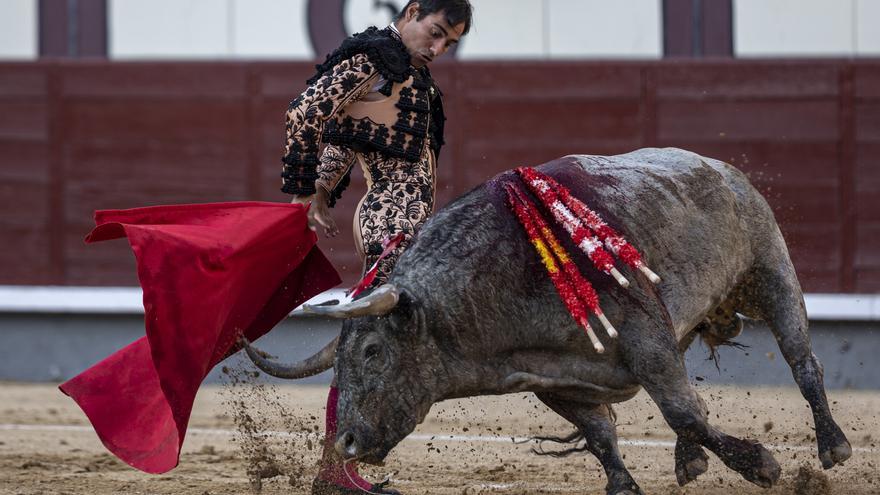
597 427
775 295
651 354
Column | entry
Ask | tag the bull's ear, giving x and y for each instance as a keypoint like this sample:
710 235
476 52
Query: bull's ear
406 300
408 314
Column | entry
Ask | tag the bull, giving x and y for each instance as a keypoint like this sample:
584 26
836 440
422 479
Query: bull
469 311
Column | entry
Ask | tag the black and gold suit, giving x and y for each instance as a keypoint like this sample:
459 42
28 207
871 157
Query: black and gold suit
368 106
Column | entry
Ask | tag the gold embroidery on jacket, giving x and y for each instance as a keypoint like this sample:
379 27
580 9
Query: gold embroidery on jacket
307 116
354 116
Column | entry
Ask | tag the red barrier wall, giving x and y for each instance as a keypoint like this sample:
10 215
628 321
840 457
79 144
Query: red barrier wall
81 136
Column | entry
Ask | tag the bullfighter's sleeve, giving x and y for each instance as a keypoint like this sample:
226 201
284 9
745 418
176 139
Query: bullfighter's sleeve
306 116
334 169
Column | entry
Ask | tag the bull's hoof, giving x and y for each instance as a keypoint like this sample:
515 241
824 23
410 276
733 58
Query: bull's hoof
765 472
834 448
836 455
630 490
690 462
750 459
689 471
622 484
321 487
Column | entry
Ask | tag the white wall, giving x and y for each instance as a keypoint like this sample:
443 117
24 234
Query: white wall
602 29
868 27
565 29
208 29
19 30
805 28
270 29
278 28
501 31
513 29
169 29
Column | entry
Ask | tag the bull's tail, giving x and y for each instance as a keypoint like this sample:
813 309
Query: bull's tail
575 438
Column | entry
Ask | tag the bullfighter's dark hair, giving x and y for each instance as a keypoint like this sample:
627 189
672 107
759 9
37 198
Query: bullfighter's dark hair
457 11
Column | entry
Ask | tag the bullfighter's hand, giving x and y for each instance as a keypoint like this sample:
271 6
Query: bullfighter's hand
319 214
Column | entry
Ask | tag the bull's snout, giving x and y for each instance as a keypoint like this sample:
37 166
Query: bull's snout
347 446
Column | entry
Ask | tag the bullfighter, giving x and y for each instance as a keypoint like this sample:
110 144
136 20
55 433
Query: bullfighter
374 104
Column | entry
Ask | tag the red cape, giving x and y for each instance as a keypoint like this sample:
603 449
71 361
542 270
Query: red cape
210 273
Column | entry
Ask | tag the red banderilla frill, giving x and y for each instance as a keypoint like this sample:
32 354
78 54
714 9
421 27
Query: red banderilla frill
582 236
388 245
576 292
584 225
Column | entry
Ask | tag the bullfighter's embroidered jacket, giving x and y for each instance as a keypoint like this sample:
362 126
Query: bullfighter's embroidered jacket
365 98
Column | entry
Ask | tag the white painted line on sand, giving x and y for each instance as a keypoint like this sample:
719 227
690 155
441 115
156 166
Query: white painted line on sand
418 437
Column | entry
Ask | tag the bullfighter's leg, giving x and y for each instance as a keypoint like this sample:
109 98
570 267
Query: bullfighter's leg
597 426
334 477
776 297
652 355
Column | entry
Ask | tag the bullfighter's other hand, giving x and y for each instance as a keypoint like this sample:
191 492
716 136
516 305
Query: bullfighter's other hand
319 214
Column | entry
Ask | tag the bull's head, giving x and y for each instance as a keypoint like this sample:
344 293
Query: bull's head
388 369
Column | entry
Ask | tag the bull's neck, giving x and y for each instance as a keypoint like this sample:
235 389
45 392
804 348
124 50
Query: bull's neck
472 362
458 374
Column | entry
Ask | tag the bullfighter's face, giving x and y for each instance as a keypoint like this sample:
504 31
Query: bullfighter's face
384 389
429 37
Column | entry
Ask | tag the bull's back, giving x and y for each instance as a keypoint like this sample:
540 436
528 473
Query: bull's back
687 214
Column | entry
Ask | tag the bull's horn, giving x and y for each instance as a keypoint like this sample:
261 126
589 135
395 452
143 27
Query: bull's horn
379 302
319 362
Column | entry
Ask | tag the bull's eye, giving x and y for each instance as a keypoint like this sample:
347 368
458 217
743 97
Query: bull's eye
371 351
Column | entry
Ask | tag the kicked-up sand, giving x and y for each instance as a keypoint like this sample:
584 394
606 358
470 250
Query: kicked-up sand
249 436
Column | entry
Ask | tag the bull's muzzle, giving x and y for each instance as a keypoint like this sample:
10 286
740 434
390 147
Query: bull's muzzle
353 444
347 446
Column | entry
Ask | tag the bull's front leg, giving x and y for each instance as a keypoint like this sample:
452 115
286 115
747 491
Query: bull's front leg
690 459
597 426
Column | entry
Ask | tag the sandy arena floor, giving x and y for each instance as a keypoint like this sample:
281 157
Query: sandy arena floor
464 447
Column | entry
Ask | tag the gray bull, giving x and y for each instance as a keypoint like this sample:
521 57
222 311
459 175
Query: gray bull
469 310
